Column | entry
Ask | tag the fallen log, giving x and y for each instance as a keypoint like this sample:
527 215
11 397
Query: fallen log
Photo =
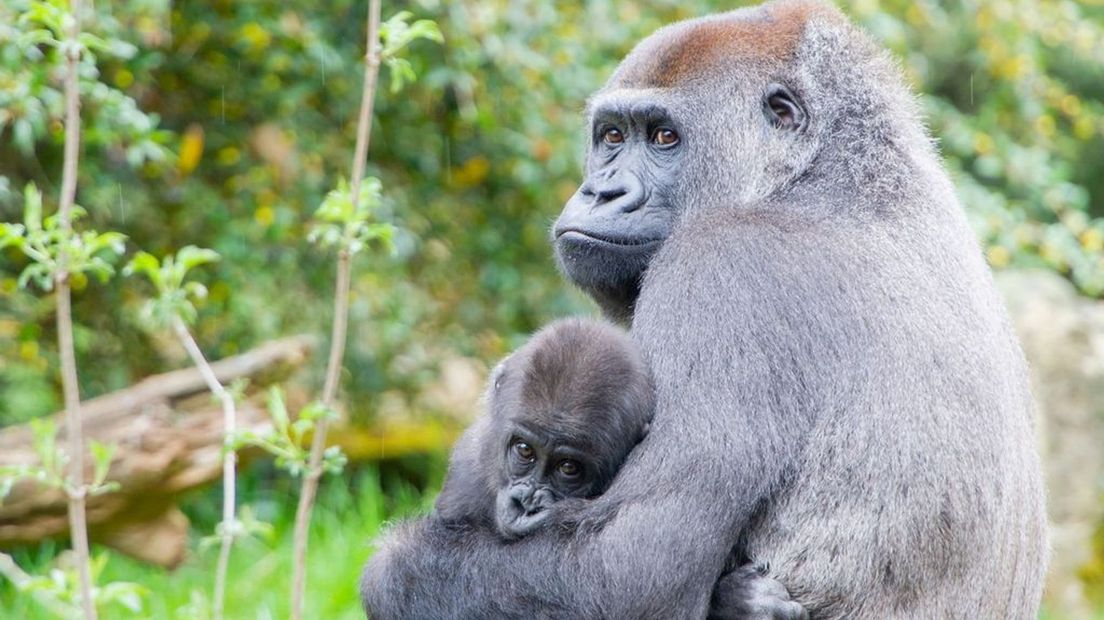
168 432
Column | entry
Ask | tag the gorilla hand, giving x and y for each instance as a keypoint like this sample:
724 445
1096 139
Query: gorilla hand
748 594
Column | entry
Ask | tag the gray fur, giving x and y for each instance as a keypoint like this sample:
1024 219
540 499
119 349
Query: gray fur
578 390
841 398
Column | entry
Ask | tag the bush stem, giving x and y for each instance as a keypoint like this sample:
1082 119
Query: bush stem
309 489
229 461
78 526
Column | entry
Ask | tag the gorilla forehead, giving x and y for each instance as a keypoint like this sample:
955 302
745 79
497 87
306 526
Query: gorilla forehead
585 378
699 48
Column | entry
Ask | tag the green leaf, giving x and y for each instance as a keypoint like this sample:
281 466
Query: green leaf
111 241
11 235
334 460
195 290
102 455
43 437
146 264
37 273
315 411
191 256
277 409
32 208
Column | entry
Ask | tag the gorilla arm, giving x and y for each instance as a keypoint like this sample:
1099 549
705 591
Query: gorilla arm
652 546
731 420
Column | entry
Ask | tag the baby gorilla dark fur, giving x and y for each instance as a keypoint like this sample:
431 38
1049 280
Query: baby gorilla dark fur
563 412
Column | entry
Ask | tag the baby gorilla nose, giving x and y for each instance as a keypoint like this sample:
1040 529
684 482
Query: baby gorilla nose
521 509
526 509
527 501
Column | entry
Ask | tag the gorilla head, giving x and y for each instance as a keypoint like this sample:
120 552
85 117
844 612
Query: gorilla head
566 409
710 113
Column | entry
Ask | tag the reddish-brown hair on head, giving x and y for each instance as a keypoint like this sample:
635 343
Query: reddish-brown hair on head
695 48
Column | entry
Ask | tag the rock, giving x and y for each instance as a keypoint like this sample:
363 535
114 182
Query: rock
1062 335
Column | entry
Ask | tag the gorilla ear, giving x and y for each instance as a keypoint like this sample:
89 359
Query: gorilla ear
782 109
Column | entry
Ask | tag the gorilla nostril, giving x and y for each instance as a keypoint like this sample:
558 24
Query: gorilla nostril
609 195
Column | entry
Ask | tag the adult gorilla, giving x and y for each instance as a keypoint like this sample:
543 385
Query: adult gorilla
840 397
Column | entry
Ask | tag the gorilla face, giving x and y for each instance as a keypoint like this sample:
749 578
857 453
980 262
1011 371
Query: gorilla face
651 155
540 473
625 208
566 410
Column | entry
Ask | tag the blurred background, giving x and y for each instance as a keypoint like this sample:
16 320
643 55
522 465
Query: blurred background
223 124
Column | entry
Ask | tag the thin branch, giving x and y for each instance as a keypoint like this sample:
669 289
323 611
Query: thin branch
20 579
340 323
229 461
78 526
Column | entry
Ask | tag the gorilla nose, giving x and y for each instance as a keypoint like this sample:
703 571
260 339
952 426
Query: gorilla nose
622 193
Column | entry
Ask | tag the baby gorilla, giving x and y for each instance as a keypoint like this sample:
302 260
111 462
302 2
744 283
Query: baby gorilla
563 413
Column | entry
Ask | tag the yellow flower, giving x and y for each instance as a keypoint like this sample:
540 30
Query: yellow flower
264 216
191 149
983 143
998 256
1092 240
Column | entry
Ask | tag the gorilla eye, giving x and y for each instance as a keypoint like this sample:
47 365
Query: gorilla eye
782 109
570 469
524 451
613 136
665 136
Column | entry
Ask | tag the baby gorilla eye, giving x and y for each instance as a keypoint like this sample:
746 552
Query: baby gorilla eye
665 136
524 451
613 135
570 469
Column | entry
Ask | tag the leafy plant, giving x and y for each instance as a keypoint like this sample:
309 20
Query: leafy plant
346 224
175 296
52 461
287 441
395 34
53 249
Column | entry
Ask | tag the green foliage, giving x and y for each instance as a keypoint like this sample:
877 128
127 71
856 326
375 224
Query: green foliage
175 296
395 34
259 567
287 440
33 46
246 525
55 250
1014 92
62 584
342 224
50 470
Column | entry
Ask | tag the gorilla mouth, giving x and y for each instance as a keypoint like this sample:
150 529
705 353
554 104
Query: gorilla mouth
575 234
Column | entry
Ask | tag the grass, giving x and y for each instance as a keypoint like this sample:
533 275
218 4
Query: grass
351 510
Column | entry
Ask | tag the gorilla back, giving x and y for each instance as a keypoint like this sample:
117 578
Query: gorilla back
840 396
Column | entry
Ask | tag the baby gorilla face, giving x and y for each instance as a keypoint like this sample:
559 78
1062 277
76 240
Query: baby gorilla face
536 478
566 409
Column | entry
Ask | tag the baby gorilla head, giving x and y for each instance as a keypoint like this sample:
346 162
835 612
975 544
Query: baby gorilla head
567 408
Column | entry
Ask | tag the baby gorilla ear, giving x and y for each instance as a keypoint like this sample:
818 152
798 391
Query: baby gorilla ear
499 373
